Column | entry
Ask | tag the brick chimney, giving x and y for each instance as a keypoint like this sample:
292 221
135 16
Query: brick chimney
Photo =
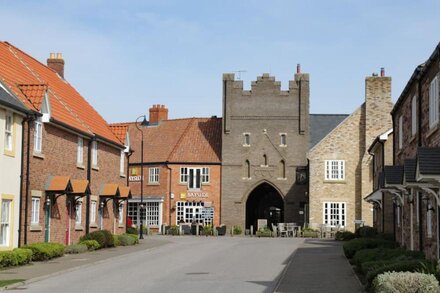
158 113
56 62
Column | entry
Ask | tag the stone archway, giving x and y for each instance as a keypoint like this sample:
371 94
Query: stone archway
264 202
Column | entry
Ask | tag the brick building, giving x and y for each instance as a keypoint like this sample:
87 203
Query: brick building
181 163
340 166
73 172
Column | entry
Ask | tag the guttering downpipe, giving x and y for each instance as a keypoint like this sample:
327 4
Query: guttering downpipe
89 178
130 152
20 219
169 195
28 147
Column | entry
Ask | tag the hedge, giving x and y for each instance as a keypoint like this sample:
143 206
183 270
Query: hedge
103 237
236 230
352 246
91 244
132 230
401 266
116 241
135 237
344 235
125 240
405 282
76 248
45 250
380 253
366 232
16 257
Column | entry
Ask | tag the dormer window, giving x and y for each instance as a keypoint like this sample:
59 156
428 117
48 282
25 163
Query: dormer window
45 109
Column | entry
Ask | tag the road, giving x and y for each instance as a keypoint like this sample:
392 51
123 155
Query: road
187 264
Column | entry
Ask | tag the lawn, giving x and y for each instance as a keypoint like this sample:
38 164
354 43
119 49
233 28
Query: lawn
4 283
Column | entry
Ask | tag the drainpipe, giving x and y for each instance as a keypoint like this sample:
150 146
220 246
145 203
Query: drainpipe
420 143
89 178
28 147
169 195
130 152
20 219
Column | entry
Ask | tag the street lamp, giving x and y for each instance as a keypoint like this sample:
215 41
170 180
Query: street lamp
143 123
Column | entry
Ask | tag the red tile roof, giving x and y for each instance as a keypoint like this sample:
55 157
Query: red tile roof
191 140
26 77
120 130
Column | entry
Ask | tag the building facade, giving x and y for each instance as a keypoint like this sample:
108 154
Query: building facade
340 166
265 136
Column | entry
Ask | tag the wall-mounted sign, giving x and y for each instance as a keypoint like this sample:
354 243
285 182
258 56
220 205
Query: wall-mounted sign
135 174
193 194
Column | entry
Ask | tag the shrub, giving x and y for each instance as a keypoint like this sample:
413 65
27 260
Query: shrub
236 230
375 254
132 230
16 257
91 244
264 232
135 238
344 235
366 232
126 240
207 230
116 241
109 241
45 250
173 230
352 246
405 282
385 236
75 249
103 237
401 266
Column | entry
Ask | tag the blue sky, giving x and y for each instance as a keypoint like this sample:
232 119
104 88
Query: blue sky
124 56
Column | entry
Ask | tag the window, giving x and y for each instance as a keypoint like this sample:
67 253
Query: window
418 194
132 212
205 175
283 140
400 132
247 169
194 180
334 170
152 214
153 175
187 211
414 115
433 102
9 131
334 213
184 175
78 213
247 139
429 221
121 214
38 135
80 152
93 206
5 223
398 215
282 169
94 153
265 160
35 211
122 164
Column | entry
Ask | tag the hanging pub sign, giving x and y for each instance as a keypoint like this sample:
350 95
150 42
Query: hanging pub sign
135 174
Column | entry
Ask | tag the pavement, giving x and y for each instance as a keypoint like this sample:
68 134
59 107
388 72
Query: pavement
196 264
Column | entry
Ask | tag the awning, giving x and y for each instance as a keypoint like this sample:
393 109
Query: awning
60 184
109 190
80 187
124 192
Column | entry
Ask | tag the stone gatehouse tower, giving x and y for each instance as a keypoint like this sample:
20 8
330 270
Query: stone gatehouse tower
265 137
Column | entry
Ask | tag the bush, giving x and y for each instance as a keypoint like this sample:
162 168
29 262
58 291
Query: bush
45 250
344 235
173 230
109 241
16 257
264 232
116 241
405 282
236 230
103 237
366 232
91 244
207 230
385 236
75 249
135 238
352 246
132 230
126 240
382 254
401 266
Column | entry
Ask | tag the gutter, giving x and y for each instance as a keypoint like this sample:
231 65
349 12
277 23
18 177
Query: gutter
89 178
23 123
169 195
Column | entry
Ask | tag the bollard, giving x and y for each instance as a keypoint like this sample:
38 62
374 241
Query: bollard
252 230
197 230
180 229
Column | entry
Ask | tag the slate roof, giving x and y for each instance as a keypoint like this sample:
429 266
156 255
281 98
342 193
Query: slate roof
428 160
8 100
322 124
393 175
409 168
191 140
29 80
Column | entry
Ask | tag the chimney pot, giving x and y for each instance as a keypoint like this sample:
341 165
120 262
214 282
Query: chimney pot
382 72
298 68
158 113
56 63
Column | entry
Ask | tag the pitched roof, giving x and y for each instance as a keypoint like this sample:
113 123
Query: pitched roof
27 78
58 184
191 140
80 186
393 175
428 160
409 167
322 124
8 100
120 130
109 189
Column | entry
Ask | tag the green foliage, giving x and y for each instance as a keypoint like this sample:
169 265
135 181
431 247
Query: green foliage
91 244
264 232
207 230
103 237
75 249
383 254
385 236
173 230
354 245
132 230
405 282
135 238
109 241
236 230
4 283
401 266
16 257
344 235
45 250
116 241
126 239
366 232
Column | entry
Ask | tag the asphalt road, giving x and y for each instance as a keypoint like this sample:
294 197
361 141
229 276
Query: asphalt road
187 264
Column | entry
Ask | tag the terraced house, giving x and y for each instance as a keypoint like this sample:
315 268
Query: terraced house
74 175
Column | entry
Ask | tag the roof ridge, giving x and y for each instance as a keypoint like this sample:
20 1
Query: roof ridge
181 138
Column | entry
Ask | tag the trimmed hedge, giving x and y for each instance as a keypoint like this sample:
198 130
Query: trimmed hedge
135 237
103 237
16 257
405 282
45 250
76 248
366 232
382 254
352 246
132 230
116 241
414 265
344 235
125 240
91 244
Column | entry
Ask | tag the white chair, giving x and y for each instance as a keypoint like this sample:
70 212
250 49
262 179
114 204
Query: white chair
282 229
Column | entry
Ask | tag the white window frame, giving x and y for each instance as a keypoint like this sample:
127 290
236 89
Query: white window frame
417 208
9 131
80 151
38 135
183 175
121 214
283 139
187 211
93 206
205 177
336 214
122 164
35 211
246 139
414 115
94 153
400 132
334 170
78 213
433 102
5 223
153 175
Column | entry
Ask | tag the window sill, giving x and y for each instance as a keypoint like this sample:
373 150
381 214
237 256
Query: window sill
206 184
10 153
38 155
246 178
122 175
79 228
80 166
335 181
93 225
36 228
432 130
153 183
121 226
283 145
283 179
96 168
246 145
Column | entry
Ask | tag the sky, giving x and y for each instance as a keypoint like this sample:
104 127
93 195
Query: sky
124 56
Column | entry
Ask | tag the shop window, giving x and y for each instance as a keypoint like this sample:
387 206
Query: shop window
189 212
335 214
